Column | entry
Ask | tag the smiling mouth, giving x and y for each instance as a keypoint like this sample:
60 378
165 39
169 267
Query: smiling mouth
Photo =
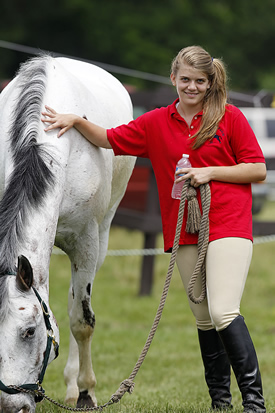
191 94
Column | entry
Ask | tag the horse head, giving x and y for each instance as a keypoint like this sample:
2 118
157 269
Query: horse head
27 340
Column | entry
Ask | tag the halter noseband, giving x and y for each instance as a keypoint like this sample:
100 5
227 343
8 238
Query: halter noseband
50 341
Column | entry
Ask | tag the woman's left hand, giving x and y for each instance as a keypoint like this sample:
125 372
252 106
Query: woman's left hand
197 176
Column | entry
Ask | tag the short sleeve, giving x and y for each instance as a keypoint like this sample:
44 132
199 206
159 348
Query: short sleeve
130 139
243 140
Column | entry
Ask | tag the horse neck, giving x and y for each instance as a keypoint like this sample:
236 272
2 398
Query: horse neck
39 240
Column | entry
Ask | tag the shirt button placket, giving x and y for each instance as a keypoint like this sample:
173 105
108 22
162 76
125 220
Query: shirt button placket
191 127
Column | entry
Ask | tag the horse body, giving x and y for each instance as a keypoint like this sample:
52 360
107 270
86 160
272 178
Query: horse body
63 191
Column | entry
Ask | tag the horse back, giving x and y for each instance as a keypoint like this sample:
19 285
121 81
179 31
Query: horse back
94 175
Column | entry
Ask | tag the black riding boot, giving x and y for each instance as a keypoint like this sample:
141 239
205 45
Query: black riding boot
217 368
243 359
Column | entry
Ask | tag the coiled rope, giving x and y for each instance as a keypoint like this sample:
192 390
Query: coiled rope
195 222
203 240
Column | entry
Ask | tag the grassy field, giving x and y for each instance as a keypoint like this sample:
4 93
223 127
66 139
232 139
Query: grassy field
171 378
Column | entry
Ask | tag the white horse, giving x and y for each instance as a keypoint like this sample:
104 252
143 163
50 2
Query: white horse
54 191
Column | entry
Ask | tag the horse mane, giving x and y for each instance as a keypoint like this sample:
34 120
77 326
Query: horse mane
4 298
31 176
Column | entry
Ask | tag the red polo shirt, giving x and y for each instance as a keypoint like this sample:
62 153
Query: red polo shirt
162 135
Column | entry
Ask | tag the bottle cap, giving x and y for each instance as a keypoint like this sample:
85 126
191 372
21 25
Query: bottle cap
184 155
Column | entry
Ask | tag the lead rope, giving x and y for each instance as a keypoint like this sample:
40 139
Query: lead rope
202 245
201 223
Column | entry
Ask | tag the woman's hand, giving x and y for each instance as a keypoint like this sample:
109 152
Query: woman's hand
92 132
56 120
197 176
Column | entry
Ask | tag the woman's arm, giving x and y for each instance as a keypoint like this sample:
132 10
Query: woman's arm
239 174
93 133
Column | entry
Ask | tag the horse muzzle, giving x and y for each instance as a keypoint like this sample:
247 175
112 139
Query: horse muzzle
17 403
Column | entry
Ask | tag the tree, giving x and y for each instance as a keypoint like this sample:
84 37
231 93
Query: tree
145 35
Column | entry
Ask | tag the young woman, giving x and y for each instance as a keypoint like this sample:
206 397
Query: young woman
223 151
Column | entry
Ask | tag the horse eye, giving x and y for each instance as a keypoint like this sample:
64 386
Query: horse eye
29 333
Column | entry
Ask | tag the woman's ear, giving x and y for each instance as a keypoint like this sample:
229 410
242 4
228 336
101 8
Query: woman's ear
173 79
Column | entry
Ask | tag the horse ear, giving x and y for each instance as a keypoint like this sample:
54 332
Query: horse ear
24 276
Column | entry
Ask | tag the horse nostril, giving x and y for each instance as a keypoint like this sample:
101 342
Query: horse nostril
25 409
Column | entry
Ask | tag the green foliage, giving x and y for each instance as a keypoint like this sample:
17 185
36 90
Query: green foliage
171 377
145 35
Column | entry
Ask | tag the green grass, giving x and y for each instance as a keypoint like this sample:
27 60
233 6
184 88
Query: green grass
171 377
267 213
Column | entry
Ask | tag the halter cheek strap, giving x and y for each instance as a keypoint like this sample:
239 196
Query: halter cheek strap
50 341
51 338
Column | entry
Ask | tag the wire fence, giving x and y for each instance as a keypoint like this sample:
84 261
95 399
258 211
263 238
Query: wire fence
109 67
159 251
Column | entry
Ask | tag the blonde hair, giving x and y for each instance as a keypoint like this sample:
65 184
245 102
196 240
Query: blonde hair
216 97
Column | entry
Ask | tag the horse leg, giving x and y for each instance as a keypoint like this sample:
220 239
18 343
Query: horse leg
72 367
82 323
78 373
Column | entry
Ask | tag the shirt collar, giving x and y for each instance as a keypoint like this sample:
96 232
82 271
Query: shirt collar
175 113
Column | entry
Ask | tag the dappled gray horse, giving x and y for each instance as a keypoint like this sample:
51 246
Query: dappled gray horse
54 191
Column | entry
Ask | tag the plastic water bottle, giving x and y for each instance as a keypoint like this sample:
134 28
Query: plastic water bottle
177 187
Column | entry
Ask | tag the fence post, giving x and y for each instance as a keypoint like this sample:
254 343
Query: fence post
152 208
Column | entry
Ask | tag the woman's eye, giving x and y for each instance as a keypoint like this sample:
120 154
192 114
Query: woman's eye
29 333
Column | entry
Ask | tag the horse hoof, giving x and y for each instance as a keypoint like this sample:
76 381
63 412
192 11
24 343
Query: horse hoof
71 401
85 400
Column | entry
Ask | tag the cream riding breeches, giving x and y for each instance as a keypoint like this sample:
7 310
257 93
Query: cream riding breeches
227 265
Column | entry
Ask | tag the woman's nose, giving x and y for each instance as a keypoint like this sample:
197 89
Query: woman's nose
192 85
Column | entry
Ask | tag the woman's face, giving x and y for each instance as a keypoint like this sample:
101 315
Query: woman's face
191 85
